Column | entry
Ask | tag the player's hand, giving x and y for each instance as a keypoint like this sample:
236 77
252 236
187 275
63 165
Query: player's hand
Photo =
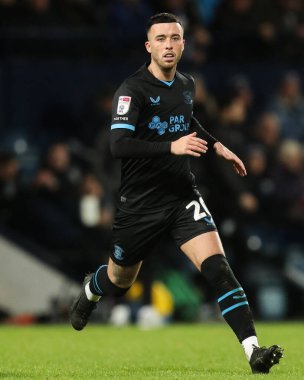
189 145
225 153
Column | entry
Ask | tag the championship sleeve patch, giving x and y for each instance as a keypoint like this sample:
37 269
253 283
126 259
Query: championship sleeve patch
123 105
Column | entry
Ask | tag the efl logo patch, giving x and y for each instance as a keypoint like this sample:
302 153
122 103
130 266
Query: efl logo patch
123 105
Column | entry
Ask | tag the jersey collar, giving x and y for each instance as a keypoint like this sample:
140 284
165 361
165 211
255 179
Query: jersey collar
151 76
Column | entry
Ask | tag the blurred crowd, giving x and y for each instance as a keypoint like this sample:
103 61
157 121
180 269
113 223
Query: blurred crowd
216 29
64 207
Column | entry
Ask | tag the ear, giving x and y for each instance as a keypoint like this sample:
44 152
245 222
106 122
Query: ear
148 46
183 45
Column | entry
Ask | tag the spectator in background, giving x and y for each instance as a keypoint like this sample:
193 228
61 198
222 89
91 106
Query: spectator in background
95 133
96 216
95 204
289 185
283 26
229 129
52 205
235 29
232 117
238 86
266 133
205 106
256 200
96 116
288 105
205 109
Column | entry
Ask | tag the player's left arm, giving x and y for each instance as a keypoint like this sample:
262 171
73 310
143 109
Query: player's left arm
221 150
225 153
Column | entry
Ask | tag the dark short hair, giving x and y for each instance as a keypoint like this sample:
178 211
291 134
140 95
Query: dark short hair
162 18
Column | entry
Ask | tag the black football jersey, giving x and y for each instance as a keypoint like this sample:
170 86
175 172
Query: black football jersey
155 111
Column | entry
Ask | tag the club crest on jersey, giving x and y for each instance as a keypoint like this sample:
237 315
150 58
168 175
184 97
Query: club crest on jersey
123 105
118 252
155 102
188 97
158 125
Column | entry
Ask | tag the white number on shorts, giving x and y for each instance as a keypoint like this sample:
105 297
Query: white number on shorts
198 214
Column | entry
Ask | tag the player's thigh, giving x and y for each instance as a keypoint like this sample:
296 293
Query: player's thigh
134 236
200 247
194 230
123 276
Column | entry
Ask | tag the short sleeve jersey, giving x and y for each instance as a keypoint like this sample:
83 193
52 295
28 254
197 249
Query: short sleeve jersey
154 111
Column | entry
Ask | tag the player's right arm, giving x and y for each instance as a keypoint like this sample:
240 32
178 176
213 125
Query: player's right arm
124 145
189 145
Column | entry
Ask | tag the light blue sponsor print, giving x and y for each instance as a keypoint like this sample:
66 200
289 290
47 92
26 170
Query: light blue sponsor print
158 125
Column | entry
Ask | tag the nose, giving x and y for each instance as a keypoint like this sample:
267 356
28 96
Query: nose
169 44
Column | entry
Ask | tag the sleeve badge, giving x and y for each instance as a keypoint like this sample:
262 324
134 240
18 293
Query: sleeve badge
123 105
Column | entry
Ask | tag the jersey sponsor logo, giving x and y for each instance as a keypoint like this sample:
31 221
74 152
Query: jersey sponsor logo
118 252
176 124
188 97
155 102
158 125
123 105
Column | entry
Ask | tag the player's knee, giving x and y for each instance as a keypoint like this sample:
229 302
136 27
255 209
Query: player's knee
122 281
216 270
122 277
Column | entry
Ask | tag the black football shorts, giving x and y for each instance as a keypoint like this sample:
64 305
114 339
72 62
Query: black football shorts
136 234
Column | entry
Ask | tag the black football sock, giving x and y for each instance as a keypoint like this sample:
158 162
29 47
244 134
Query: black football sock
230 296
101 284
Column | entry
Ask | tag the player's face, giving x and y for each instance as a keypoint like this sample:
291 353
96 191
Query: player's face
166 44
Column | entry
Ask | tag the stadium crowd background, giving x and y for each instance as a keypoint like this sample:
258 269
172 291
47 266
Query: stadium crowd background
60 62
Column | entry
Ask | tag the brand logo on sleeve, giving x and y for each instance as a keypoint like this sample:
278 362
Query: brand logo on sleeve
155 102
123 105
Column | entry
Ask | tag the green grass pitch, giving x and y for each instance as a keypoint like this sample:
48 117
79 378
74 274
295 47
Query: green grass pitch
181 352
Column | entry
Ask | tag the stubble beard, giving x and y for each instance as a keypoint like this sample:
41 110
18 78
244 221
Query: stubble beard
167 68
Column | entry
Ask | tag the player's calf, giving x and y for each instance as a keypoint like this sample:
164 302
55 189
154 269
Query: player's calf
235 310
230 296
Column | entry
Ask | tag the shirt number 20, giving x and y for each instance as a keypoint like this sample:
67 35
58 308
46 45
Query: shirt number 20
200 209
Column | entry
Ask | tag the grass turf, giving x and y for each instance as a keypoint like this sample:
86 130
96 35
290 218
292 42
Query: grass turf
194 351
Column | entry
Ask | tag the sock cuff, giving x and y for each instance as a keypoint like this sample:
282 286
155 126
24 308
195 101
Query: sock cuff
103 286
94 285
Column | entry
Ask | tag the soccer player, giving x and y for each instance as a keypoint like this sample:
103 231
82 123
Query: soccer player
153 133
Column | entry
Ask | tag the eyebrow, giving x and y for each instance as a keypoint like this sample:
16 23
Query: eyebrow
164 35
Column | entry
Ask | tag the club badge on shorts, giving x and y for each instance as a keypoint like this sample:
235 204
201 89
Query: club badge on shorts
123 105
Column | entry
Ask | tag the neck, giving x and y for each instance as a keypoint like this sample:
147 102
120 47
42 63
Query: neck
161 74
